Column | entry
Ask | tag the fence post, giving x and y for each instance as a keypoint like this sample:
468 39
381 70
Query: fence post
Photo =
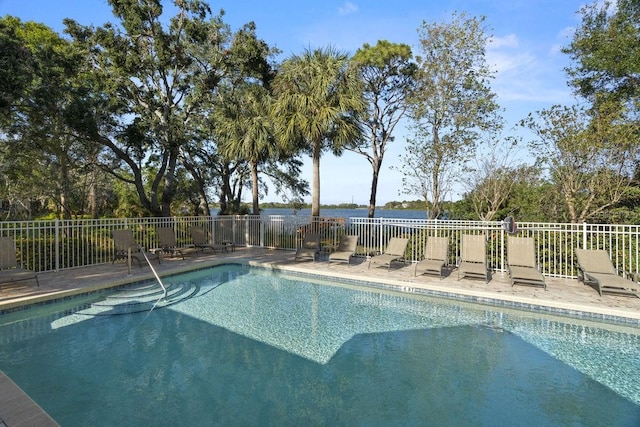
234 228
584 235
380 237
57 244
502 247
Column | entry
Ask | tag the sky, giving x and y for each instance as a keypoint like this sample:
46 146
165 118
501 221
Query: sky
527 36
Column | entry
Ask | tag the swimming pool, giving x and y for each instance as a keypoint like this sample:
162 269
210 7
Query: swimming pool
256 347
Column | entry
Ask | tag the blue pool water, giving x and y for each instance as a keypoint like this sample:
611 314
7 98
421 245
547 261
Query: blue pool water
254 347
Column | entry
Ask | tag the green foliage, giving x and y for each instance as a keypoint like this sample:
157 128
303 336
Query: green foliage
16 67
42 157
154 79
158 114
387 76
452 106
237 208
406 204
606 53
246 130
591 156
317 103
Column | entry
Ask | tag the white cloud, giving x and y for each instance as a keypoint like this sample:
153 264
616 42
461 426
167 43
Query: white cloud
503 62
510 40
522 75
347 8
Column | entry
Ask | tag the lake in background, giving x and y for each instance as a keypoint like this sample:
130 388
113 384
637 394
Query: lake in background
346 213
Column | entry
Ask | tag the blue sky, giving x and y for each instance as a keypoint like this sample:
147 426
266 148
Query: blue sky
525 52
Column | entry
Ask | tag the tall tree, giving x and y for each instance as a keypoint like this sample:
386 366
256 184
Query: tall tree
200 158
605 71
451 107
605 54
317 103
386 72
246 131
37 128
590 156
16 67
243 122
149 73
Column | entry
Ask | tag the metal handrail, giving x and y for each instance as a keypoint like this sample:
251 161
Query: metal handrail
164 288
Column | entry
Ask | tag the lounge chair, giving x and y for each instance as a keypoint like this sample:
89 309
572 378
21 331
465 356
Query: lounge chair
310 247
345 250
394 252
169 242
521 261
595 268
200 238
123 240
10 271
473 257
436 252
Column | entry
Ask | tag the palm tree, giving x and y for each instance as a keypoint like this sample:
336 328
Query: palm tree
246 130
317 103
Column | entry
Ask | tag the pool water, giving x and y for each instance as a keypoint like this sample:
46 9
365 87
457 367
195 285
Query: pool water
255 347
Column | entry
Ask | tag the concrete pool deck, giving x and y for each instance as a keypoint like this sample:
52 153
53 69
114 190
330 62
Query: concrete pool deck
16 408
561 294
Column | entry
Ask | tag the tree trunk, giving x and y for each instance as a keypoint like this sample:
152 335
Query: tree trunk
203 205
93 194
254 184
169 190
64 189
434 212
375 164
226 193
315 200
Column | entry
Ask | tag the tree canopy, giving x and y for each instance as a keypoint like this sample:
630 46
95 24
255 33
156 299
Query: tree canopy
316 106
452 106
387 76
167 109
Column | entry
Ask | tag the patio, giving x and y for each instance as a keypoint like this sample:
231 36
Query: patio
564 295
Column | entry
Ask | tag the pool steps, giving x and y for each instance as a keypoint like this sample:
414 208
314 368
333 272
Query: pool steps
139 299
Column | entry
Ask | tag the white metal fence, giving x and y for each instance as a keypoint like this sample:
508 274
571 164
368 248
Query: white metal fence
59 244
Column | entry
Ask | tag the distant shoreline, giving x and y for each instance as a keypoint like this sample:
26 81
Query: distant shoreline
344 213
400 206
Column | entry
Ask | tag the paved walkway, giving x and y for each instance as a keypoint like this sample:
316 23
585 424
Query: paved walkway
561 294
